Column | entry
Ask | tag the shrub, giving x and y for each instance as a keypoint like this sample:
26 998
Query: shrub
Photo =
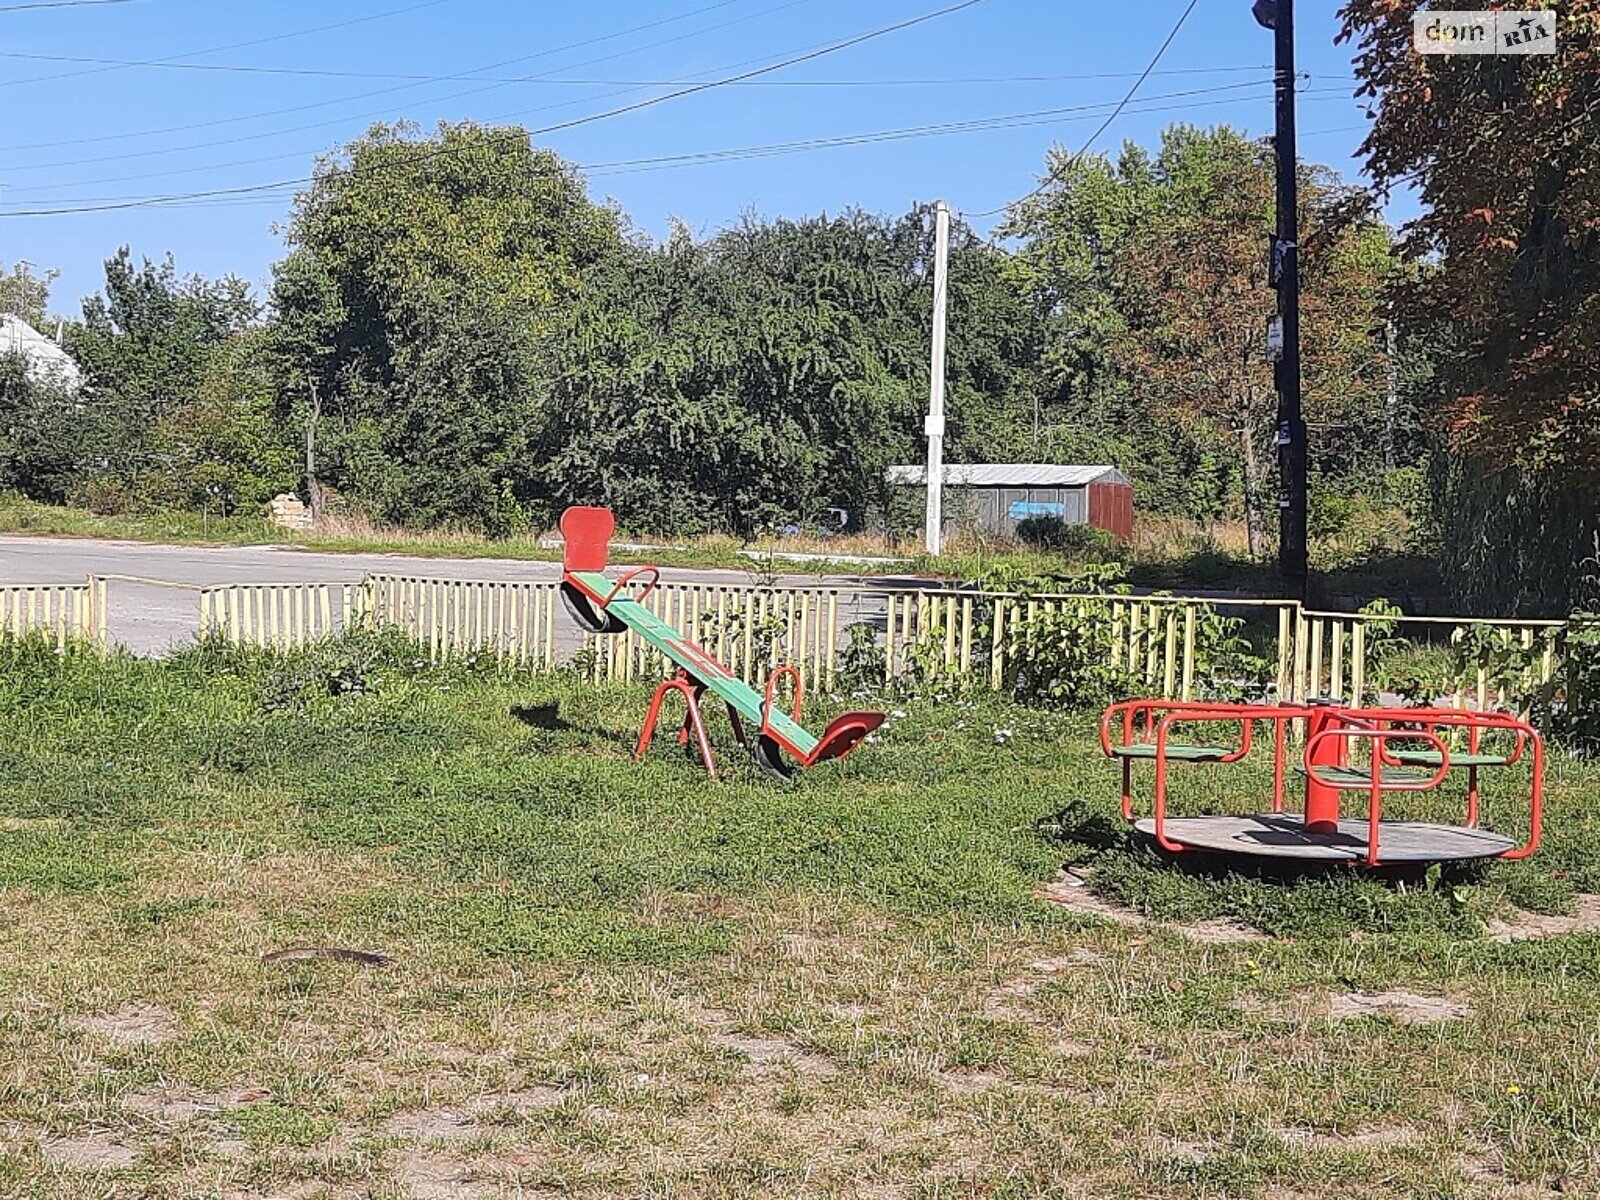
1056 536
1573 715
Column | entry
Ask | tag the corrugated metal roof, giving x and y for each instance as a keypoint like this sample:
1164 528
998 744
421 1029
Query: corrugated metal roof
1017 475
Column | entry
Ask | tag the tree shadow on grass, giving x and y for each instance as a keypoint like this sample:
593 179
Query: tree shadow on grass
541 716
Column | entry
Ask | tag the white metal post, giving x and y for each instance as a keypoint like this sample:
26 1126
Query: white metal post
935 424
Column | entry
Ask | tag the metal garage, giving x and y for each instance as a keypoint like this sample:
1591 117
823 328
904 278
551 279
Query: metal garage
996 496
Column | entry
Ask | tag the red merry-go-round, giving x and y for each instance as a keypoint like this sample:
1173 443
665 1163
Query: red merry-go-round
1334 749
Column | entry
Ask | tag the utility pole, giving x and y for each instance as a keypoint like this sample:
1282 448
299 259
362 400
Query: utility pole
935 423
1278 16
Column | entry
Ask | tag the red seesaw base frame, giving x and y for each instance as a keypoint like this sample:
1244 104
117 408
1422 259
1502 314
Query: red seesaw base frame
1408 753
694 724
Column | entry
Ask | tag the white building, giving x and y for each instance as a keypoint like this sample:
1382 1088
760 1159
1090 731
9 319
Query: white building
47 362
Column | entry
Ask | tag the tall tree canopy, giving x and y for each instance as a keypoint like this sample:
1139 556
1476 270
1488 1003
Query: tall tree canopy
1501 152
466 338
26 295
776 369
1153 268
171 414
420 277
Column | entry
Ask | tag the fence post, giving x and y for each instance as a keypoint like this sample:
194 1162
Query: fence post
1188 652
997 647
1358 662
888 639
1169 651
1336 662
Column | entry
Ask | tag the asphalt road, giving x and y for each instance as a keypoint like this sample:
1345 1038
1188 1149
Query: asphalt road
148 617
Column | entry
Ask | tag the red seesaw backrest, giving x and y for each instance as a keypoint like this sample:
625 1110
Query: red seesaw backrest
587 533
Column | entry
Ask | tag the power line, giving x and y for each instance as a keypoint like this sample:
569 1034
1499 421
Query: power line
261 41
713 157
385 113
1052 173
1008 120
414 77
547 79
1083 112
468 74
5 8
575 122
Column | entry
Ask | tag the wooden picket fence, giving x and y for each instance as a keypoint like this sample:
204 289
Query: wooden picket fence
67 612
749 629
282 615
514 621
1157 640
1333 654
1153 638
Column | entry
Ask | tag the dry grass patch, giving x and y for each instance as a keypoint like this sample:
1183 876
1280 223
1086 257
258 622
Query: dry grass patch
1397 1004
97 1151
1073 892
1522 925
131 1025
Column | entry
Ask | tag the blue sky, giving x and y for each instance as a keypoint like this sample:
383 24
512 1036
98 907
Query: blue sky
91 132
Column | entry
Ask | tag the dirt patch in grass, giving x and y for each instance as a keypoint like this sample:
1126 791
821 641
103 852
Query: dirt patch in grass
229 1149
180 1105
1083 956
311 1190
971 1083
1397 1004
765 1054
425 1176
165 1106
1072 891
1524 926
1377 1138
1068 1048
1005 1001
467 1120
90 1152
132 1025
1218 931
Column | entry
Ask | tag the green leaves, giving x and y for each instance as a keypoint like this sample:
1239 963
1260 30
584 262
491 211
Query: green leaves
423 278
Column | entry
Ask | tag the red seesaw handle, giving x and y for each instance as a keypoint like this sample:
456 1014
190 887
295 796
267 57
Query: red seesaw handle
627 578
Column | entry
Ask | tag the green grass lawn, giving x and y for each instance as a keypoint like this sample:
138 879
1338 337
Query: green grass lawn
620 980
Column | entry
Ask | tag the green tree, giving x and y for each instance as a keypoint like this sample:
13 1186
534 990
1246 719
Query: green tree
1152 269
26 295
421 277
146 345
751 380
42 443
1505 287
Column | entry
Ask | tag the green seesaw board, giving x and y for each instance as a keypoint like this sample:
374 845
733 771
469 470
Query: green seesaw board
744 699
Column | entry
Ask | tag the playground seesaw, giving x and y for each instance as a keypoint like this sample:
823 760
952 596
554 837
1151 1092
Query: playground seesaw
1373 752
599 605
